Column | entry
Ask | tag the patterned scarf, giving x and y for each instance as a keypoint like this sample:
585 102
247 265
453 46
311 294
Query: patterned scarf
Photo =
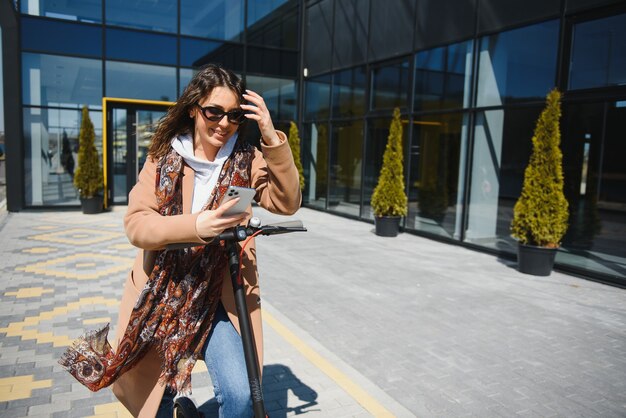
175 310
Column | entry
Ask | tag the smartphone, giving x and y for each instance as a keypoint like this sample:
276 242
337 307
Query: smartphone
246 194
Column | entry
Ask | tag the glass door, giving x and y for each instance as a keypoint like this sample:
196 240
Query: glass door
130 126
119 148
145 126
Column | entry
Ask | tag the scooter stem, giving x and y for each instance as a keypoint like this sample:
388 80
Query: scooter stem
247 337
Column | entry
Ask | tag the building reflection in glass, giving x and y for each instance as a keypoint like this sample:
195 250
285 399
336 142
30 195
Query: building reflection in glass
434 182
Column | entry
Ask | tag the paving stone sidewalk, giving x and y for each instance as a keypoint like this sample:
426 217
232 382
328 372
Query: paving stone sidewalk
447 331
356 325
63 274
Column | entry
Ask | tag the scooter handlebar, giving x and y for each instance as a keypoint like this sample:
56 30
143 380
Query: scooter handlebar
240 233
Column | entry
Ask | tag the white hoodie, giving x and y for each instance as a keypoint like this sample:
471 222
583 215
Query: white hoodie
206 172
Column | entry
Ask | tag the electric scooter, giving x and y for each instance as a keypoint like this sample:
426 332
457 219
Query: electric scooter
184 407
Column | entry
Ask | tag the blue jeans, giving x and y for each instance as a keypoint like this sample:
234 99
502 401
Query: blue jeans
223 354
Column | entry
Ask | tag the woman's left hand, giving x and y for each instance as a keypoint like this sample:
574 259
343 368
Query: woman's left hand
261 114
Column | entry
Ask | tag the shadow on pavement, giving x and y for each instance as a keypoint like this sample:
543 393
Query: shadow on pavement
278 380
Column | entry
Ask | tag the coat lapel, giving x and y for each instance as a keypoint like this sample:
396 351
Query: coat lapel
188 176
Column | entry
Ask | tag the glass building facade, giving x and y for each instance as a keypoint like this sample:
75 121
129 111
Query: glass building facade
72 54
470 79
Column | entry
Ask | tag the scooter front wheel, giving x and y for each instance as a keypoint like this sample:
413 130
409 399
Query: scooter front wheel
185 408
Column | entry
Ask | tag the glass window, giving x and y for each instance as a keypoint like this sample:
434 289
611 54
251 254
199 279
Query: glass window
613 175
502 145
52 80
594 176
598 53
317 97
257 10
443 77
140 46
62 37
518 65
1 98
269 61
119 159
315 163
435 185
140 81
184 77
279 95
582 126
378 133
50 153
390 86
217 19
196 53
346 155
83 11
495 15
157 15
350 34
317 37
390 28
278 28
349 92
459 22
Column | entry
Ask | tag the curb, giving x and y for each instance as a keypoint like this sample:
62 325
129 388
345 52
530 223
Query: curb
397 409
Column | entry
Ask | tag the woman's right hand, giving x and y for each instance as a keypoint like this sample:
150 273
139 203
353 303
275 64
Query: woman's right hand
211 223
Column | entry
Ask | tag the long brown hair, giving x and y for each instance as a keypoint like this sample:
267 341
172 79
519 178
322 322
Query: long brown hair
177 120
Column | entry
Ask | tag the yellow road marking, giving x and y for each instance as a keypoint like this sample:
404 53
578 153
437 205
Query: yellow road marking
46 268
353 389
113 410
39 250
102 320
29 292
199 367
77 236
17 329
20 387
125 246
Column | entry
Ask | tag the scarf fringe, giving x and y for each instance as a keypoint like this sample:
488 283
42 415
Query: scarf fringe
179 381
84 358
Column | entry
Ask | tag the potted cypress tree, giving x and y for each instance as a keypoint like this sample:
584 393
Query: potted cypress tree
88 175
541 212
294 144
389 201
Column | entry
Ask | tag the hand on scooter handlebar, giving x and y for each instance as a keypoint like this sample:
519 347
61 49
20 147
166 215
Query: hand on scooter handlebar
240 233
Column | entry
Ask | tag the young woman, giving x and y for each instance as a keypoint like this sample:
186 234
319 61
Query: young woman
178 304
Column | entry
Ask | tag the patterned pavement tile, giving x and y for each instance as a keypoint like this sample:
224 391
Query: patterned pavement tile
63 275
41 313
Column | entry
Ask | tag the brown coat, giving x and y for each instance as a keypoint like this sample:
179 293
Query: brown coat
275 178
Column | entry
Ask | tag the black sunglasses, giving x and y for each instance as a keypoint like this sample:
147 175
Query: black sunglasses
215 114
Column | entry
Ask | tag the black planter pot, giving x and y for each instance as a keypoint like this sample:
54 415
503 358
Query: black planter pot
534 260
387 226
91 205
